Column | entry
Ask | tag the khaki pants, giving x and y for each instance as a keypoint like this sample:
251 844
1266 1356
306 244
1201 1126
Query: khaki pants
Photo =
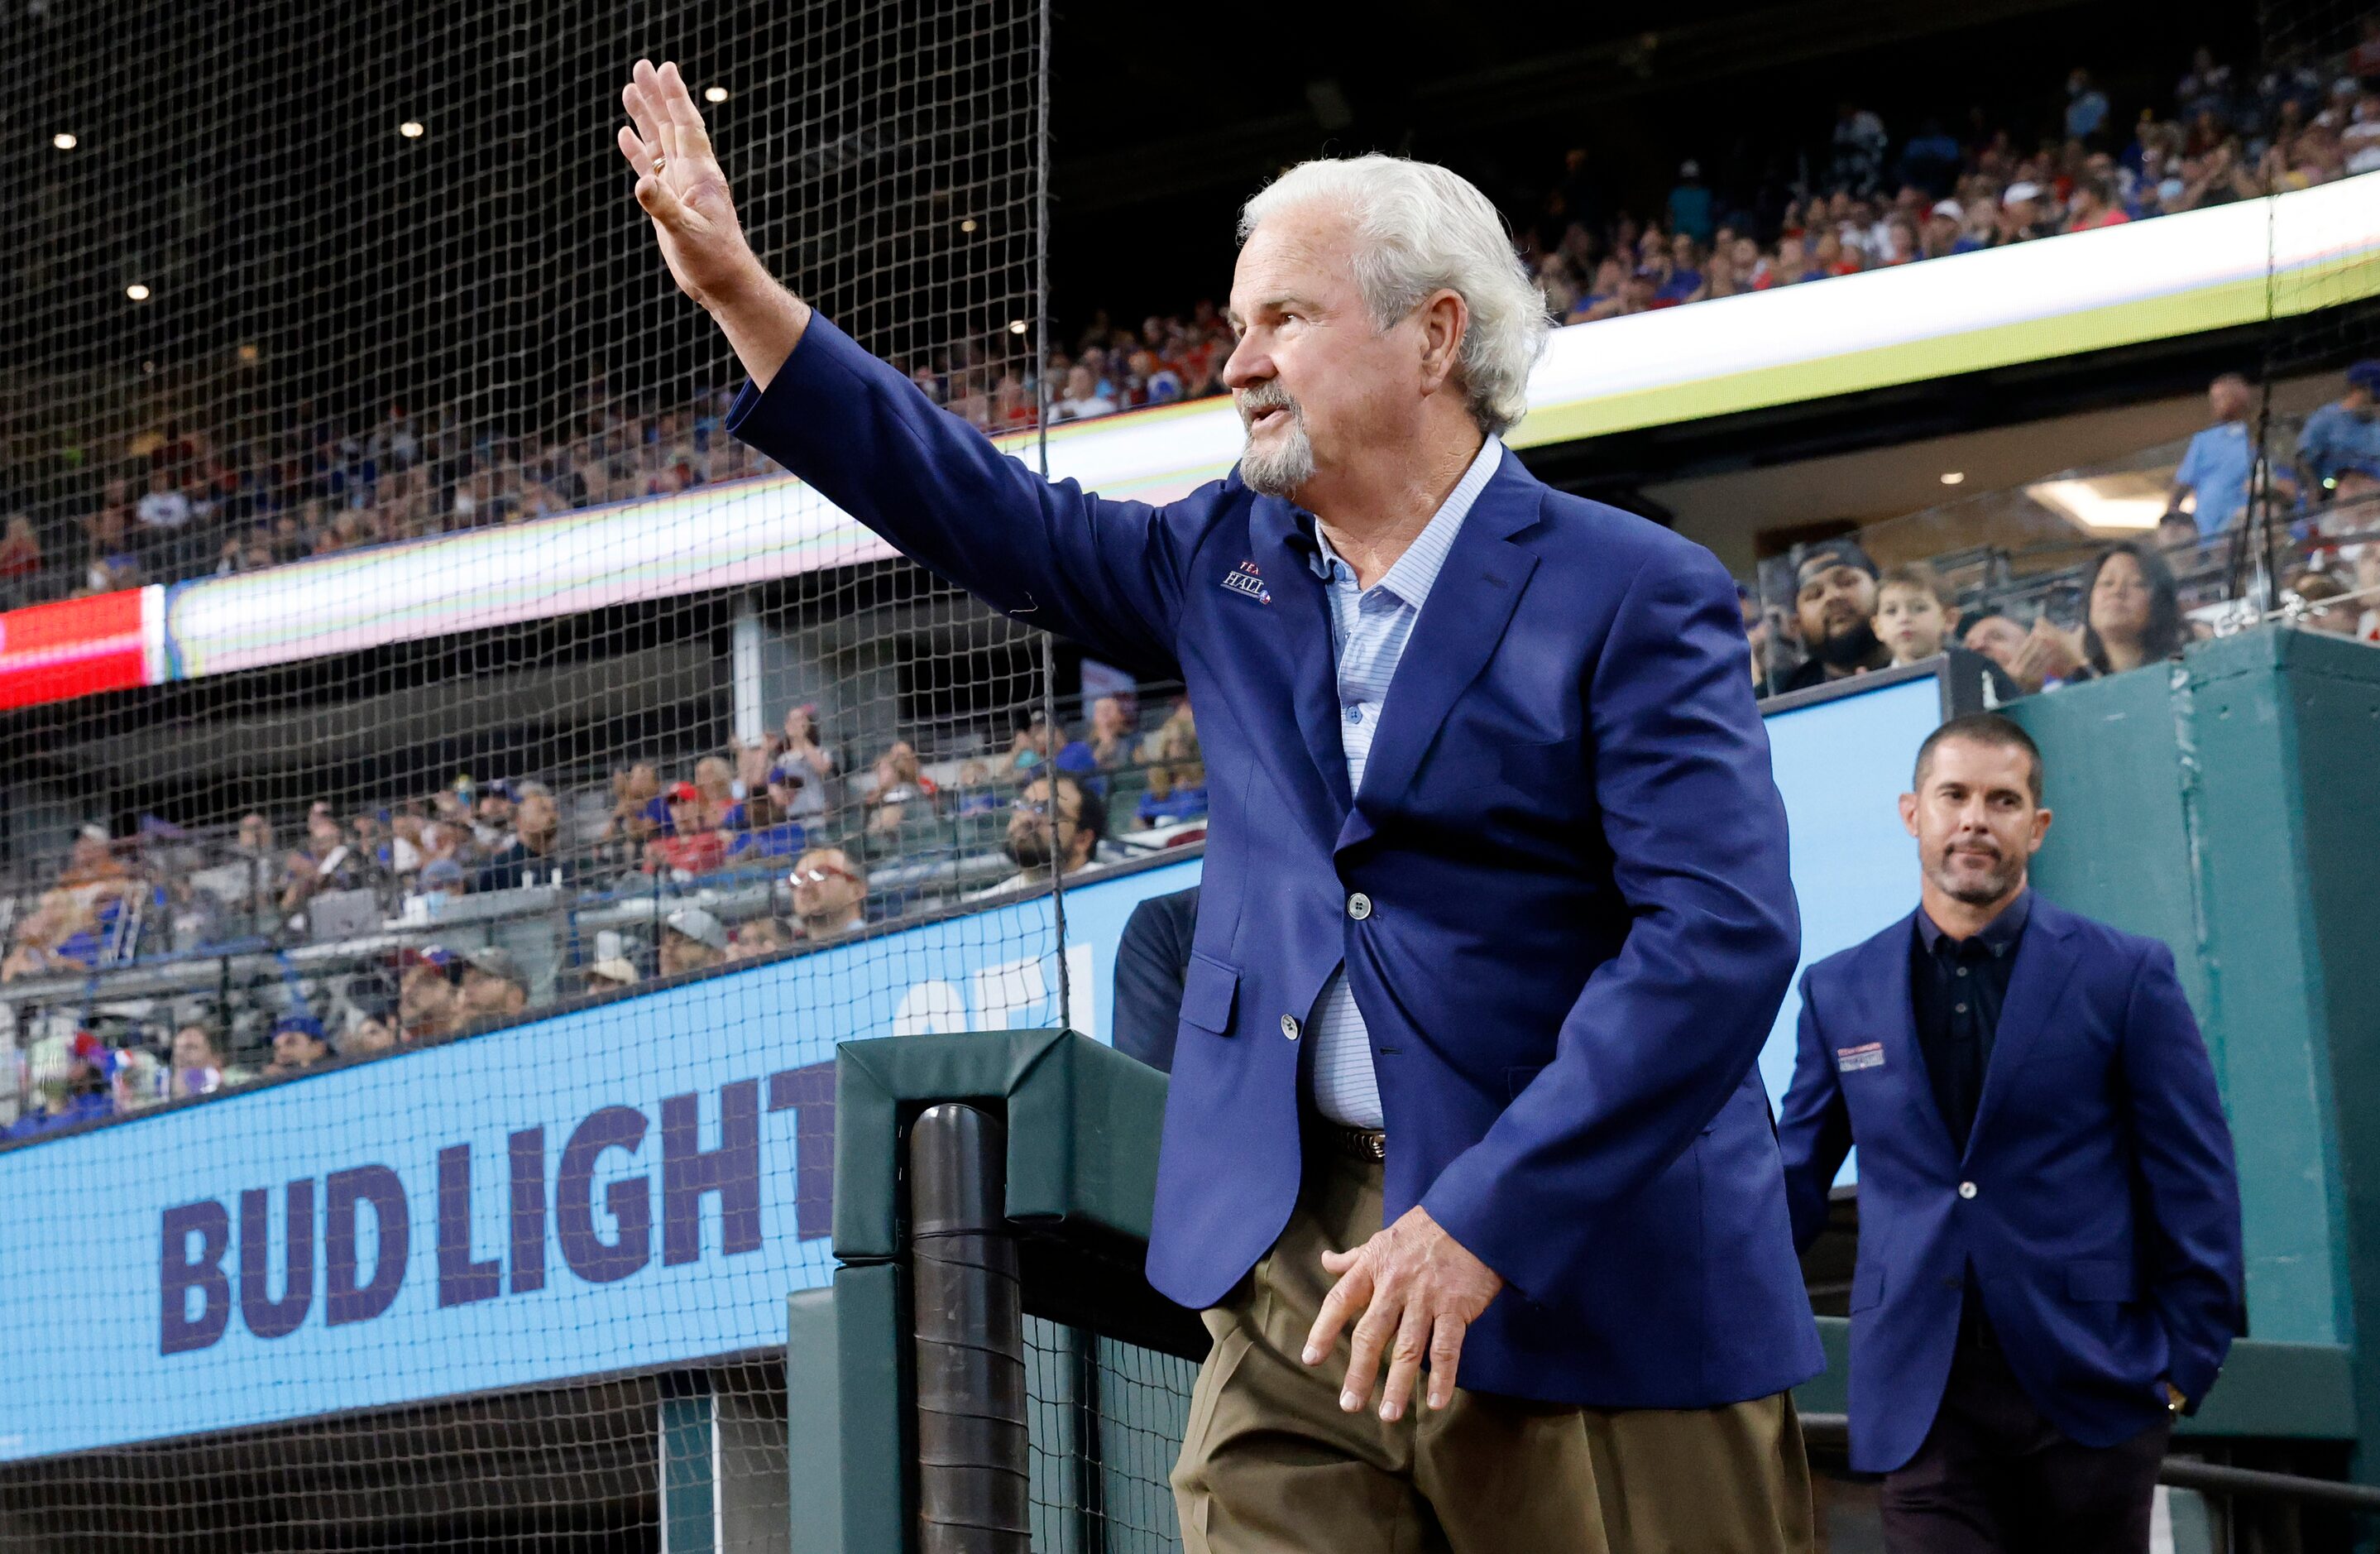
1269 1465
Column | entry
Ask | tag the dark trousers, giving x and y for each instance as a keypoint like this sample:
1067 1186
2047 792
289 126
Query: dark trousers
1994 1476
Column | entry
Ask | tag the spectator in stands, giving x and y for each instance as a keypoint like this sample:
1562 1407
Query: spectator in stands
2215 467
164 516
369 1036
328 862
2092 204
428 1007
689 848
2344 432
1835 604
533 856
2086 106
692 940
297 1045
611 970
198 1066
1056 819
493 807
805 764
770 832
1177 785
75 1091
1755 636
1110 737
1690 204
1914 613
762 936
830 895
20 561
2176 532
2324 605
2033 659
2133 611
442 878
493 987
714 780
903 792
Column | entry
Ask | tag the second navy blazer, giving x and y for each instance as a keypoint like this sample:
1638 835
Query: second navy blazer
2095 1201
1577 923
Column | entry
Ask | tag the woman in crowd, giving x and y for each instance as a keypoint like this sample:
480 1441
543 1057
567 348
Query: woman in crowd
2133 614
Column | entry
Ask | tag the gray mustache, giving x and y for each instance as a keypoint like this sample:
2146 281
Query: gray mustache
1267 396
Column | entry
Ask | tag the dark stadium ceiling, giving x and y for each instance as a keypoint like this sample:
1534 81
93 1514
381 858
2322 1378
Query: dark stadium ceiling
243 159
1159 131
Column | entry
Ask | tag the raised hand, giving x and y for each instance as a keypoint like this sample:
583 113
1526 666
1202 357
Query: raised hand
680 186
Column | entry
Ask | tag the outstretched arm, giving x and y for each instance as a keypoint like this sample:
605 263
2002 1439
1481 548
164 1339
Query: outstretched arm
857 431
680 186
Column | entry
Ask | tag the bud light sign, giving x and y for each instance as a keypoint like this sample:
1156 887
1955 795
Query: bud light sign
634 1185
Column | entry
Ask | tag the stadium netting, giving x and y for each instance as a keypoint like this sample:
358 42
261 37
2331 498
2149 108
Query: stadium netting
509 788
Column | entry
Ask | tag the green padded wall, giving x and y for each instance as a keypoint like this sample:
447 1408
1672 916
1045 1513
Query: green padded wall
2226 807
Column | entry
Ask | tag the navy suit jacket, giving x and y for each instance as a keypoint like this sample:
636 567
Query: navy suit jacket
2103 1226
1581 927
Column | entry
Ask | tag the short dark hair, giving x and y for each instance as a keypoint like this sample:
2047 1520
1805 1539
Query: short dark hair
1090 810
1981 728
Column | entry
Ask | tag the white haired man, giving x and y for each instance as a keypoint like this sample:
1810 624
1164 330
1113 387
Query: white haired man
1485 944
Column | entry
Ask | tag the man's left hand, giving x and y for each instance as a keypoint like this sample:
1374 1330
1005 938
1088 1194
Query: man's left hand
1418 1291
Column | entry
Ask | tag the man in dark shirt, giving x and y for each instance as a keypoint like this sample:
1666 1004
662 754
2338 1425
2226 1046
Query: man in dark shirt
1958 985
1834 604
534 856
1152 960
2049 1263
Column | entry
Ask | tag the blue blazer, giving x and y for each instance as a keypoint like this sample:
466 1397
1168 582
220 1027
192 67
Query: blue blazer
2104 1225
1582 925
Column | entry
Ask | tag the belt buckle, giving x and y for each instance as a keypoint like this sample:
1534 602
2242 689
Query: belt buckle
1364 1144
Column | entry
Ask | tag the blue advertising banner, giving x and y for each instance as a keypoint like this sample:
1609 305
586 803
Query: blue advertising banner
630 1185
634 1185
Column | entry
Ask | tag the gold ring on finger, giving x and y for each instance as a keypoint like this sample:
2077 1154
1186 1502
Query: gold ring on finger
658 163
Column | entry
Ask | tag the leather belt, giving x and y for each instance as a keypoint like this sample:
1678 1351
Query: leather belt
1355 1144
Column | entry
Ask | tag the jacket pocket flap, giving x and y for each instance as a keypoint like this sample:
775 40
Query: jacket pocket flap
1867 1283
1208 987
2100 1279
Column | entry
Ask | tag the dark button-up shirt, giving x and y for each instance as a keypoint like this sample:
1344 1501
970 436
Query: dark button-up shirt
1957 987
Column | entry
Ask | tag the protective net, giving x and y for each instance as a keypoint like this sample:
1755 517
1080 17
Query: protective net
455 795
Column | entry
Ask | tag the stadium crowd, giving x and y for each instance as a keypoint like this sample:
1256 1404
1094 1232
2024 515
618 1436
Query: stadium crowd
475 904
436 914
1837 613
184 501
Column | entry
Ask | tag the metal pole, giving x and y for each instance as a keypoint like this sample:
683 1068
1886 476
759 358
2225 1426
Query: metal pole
974 1452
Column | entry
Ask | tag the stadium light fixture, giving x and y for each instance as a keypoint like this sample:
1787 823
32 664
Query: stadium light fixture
410 129
1016 326
967 226
63 141
714 94
2127 501
248 352
137 292
1953 477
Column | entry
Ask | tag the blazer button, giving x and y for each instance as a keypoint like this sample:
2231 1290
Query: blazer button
1289 1027
1966 1189
1359 906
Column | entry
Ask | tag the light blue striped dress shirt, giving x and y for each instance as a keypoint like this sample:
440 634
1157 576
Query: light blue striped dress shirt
1368 631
